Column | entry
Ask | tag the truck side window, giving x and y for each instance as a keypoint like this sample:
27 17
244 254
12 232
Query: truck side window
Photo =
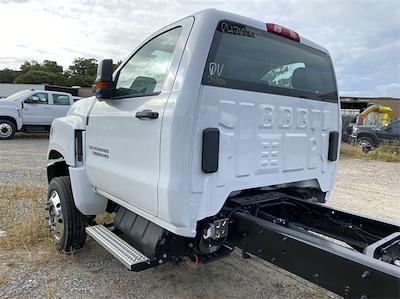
60 99
145 72
41 98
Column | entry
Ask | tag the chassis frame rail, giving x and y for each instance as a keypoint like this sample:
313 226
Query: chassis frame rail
345 271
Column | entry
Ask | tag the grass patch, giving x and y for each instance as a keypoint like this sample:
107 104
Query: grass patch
386 152
105 218
3 279
22 216
21 135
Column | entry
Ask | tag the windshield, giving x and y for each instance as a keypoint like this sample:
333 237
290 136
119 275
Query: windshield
16 96
246 58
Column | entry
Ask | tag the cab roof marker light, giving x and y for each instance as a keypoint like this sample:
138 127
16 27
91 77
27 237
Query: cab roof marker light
283 31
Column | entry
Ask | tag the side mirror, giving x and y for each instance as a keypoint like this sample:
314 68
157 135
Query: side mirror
32 100
104 82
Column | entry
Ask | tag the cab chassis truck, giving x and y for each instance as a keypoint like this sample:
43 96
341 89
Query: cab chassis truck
217 132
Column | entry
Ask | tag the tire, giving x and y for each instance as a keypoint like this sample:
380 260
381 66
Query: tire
366 144
7 129
66 223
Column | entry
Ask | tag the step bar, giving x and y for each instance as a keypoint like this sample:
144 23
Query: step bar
132 258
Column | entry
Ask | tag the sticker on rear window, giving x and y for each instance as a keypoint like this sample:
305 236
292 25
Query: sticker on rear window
215 69
237 29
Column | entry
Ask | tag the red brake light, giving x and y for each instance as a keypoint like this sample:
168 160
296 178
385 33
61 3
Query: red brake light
283 31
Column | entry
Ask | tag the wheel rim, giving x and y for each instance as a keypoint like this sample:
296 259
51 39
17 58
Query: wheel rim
5 130
364 143
56 217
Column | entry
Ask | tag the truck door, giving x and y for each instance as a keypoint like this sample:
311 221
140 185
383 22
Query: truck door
36 109
123 134
60 105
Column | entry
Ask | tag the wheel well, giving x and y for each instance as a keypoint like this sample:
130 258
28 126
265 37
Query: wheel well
370 136
12 119
55 155
56 166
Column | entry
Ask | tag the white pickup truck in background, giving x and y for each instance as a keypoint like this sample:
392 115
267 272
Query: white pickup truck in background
32 111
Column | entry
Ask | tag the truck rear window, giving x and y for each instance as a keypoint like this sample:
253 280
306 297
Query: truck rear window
246 58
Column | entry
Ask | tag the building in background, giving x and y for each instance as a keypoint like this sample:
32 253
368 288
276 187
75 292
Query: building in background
355 105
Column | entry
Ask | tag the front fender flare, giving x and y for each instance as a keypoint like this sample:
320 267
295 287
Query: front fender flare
62 137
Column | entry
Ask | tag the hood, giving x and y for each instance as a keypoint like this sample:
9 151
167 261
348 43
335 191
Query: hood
9 103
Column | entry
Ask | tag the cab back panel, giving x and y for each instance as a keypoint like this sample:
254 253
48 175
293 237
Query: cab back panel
265 140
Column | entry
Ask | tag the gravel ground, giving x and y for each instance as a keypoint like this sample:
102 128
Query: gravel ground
23 160
365 187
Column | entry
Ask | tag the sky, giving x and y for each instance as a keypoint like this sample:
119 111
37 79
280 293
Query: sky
362 36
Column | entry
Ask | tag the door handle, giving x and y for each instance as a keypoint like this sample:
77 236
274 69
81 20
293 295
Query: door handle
146 114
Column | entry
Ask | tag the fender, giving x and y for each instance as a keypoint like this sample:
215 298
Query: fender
12 110
372 136
62 143
62 133
62 137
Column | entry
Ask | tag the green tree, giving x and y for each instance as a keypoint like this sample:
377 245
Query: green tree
82 72
41 77
47 66
29 66
8 76
83 67
51 67
82 81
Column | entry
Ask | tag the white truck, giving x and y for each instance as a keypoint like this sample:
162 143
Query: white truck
32 111
217 132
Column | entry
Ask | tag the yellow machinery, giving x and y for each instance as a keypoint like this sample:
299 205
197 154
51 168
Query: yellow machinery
387 113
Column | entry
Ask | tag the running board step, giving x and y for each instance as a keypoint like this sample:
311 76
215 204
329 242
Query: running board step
132 258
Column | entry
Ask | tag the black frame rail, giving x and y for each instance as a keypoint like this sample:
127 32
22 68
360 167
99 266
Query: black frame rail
350 255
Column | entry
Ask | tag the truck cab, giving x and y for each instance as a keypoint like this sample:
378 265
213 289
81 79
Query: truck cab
211 124
32 111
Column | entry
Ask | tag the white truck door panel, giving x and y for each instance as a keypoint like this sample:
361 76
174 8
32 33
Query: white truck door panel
125 164
37 113
122 150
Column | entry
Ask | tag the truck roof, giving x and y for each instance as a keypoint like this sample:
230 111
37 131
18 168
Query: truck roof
49 91
222 15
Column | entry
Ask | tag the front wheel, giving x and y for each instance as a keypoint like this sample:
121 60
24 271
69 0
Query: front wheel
67 224
366 144
7 129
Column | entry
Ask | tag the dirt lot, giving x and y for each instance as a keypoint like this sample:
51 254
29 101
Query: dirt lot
34 269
